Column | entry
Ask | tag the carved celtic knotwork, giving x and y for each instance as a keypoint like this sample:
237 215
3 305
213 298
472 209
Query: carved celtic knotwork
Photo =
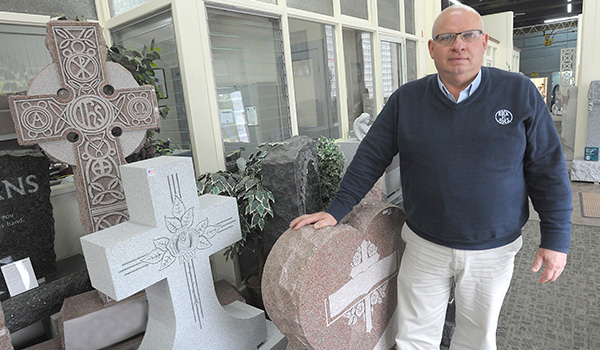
85 117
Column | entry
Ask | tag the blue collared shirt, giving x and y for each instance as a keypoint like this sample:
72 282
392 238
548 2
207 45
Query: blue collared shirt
463 94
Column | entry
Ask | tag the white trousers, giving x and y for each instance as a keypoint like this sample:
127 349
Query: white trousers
427 272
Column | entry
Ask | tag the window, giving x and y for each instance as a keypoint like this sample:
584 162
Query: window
319 6
118 7
355 8
23 55
248 66
411 60
409 16
315 78
388 14
160 28
391 67
360 85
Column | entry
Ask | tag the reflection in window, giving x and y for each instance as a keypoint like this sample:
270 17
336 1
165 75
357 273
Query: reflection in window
160 28
23 55
249 71
315 80
360 86
391 67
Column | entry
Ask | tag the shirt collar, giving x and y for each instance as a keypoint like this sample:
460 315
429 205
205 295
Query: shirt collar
468 91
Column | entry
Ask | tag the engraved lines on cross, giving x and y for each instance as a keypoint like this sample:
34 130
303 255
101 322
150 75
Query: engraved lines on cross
186 239
79 58
370 277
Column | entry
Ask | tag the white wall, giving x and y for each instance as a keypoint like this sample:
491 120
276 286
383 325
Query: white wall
588 70
500 27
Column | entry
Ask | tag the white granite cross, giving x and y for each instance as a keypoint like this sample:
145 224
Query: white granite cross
164 248
88 113
368 271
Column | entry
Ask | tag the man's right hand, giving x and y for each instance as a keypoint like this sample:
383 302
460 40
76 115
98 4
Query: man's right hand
320 219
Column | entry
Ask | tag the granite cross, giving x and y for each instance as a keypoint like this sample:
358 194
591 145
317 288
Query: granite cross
88 113
165 249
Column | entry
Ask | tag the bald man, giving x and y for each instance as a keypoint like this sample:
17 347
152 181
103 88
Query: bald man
474 144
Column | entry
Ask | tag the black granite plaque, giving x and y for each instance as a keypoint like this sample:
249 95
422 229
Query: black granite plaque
26 220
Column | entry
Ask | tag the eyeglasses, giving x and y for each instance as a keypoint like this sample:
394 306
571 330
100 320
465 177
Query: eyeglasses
468 36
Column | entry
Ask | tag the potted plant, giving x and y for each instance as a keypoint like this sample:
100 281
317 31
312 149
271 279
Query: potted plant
254 206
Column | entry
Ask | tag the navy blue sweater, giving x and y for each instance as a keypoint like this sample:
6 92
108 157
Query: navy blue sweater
468 168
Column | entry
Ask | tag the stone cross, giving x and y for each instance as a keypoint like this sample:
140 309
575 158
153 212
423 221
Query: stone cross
165 249
88 113
335 288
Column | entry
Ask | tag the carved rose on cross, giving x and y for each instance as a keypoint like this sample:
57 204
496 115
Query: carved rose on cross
186 238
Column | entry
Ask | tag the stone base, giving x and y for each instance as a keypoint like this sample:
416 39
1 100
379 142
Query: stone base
275 340
585 171
39 303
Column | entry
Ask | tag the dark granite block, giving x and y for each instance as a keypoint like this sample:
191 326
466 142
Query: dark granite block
26 218
291 172
29 307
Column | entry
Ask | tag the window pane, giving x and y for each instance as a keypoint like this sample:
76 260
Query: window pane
118 7
409 16
23 55
411 60
355 8
391 67
248 64
360 85
269 1
388 14
160 28
319 6
315 78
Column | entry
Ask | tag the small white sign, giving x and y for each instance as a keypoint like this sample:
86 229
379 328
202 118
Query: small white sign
252 116
19 276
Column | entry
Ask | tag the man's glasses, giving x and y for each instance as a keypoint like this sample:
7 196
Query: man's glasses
468 36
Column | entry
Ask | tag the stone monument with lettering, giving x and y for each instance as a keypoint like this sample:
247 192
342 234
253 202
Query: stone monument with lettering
335 288
165 249
26 219
88 113
584 170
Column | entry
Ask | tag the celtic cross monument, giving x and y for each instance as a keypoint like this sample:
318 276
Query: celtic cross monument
88 113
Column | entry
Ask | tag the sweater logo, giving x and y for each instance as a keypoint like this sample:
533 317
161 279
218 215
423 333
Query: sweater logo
504 117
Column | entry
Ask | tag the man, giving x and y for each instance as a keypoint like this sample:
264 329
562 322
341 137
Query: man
473 143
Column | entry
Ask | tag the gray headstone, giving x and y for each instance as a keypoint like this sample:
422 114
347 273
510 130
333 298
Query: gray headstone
593 136
88 113
26 220
165 249
291 172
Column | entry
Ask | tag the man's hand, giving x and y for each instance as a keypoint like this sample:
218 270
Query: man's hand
555 264
320 219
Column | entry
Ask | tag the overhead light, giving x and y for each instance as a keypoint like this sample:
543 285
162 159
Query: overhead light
569 7
455 2
562 19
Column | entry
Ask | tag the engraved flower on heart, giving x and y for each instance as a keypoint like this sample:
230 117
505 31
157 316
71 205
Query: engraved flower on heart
185 240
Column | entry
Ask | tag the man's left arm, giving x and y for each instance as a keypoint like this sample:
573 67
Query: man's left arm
549 187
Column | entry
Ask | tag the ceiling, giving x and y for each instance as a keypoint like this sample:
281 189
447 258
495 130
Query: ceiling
526 12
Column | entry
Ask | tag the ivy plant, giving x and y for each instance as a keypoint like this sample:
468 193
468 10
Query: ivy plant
254 201
331 168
